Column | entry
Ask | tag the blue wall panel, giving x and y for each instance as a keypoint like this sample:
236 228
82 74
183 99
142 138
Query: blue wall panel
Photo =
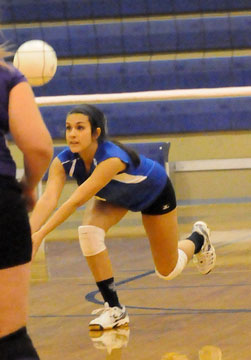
140 37
45 10
149 75
163 117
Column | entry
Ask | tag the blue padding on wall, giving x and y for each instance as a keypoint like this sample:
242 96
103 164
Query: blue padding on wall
46 10
157 151
137 37
146 76
163 117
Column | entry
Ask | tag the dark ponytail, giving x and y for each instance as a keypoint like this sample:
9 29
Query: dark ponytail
131 152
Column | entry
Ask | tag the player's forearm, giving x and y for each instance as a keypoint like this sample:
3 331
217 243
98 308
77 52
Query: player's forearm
41 213
66 210
80 196
35 165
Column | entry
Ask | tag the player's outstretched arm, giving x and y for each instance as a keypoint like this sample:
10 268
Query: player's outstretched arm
49 199
101 176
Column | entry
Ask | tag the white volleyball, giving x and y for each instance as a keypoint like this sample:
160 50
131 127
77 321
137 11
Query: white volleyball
37 60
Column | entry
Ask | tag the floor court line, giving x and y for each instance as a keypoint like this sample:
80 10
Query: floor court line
167 311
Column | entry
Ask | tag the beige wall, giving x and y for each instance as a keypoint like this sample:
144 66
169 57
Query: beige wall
222 145
220 184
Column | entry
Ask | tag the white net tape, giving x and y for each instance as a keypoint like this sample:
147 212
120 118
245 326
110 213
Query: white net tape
146 96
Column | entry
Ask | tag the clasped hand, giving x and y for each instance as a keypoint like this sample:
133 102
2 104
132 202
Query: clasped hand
37 239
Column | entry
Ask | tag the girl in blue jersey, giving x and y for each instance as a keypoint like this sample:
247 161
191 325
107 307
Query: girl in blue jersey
20 116
119 180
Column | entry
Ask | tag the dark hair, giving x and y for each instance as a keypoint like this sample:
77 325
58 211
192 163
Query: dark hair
97 119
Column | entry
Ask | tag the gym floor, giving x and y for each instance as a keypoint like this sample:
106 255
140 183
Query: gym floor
192 317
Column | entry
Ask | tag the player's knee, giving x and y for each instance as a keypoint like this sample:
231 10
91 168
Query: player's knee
18 346
91 239
181 263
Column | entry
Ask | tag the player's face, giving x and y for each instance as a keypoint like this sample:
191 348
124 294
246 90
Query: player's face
78 133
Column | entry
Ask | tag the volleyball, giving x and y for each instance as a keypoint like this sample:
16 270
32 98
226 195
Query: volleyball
37 60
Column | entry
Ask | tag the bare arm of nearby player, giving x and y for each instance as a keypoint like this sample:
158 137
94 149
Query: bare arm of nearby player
30 135
49 199
100 177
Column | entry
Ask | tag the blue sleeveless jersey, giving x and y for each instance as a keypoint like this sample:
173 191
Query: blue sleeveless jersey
135 189
9 77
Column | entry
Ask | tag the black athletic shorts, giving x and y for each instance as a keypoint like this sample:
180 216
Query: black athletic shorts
164 203
15 234
17 346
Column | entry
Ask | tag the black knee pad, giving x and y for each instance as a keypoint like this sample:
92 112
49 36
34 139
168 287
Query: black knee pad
17 346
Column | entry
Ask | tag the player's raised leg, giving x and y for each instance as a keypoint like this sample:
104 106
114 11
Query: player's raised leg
170 256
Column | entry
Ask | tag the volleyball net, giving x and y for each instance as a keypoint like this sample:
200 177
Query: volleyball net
244 91
172 57
154 67
127 46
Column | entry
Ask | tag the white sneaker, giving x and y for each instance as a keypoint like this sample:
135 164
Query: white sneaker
205 259
110 318
110 339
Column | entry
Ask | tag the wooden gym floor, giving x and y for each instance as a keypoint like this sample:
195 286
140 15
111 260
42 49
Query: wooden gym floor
193 317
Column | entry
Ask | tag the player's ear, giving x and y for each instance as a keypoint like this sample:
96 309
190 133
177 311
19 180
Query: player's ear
97 132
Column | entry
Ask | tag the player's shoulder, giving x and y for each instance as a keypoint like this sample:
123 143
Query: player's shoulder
10 73
66 155
107 146
108 149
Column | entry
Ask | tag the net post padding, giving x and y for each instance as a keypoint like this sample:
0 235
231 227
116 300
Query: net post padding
145 96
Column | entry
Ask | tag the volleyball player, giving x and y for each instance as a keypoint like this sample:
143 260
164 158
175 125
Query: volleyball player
119 180
19 114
